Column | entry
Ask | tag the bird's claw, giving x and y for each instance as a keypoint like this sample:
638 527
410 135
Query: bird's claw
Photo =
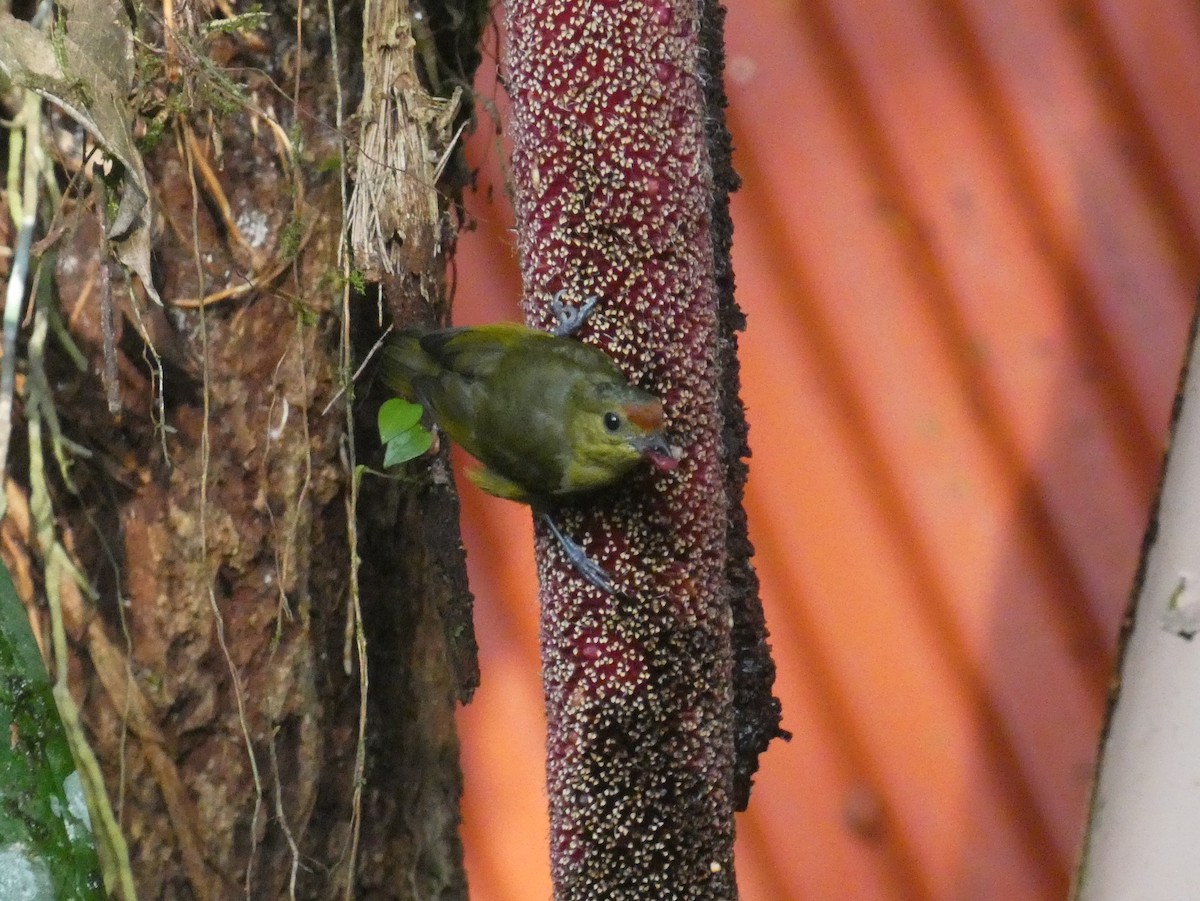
570 317
592 572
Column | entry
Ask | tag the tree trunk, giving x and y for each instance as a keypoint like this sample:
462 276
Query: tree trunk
219 666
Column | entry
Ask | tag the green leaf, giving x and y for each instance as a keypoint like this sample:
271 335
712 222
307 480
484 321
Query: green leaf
397 416
46 848
407 446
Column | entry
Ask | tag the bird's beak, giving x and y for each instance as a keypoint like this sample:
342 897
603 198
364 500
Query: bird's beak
655 449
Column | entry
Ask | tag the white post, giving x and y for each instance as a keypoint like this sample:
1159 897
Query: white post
1143 839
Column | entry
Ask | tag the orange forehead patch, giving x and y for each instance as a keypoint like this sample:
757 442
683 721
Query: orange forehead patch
648 416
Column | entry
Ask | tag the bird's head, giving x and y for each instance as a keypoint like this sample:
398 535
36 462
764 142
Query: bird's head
615 426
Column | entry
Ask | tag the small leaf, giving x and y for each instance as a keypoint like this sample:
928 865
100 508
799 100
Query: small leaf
407 446
397 416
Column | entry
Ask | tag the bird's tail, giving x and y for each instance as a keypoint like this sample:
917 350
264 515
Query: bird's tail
404 366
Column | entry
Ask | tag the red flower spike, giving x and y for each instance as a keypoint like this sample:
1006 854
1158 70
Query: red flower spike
614 196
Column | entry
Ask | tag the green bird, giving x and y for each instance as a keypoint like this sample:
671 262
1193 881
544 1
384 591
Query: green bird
547 417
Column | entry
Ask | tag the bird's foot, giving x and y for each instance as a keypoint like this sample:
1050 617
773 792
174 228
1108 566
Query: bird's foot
591 571
570 317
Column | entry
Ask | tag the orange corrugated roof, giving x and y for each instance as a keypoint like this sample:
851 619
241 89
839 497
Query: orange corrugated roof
967 245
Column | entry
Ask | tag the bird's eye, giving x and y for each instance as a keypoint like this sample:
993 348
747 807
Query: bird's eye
612 421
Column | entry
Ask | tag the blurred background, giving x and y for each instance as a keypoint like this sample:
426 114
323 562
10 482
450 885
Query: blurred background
968 245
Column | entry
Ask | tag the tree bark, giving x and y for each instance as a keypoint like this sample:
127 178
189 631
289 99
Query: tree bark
217 668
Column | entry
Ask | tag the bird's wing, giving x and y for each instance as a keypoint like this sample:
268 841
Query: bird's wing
475 352
496 484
